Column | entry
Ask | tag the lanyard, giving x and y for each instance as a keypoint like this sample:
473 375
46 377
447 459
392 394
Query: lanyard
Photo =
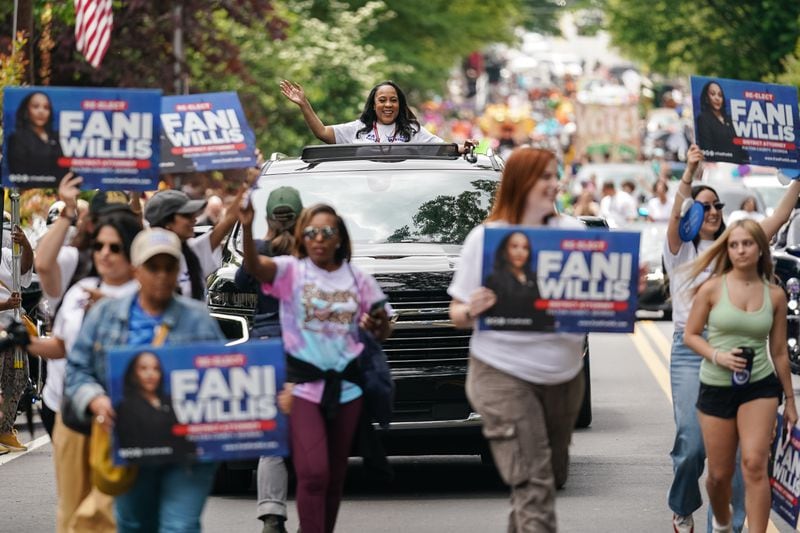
378 137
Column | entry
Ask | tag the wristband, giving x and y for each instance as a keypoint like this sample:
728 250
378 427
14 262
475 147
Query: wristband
72 218
714 357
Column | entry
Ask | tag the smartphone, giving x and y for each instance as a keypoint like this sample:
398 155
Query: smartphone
377 306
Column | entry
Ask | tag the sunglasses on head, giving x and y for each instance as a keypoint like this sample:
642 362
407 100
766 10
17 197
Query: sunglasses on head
113 247
716 205
327 232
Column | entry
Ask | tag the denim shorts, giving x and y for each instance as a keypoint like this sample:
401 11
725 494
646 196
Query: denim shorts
724 402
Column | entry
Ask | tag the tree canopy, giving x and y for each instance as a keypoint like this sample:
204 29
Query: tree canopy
726 38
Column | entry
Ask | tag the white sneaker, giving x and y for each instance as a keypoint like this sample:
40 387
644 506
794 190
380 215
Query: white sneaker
716 528
682 524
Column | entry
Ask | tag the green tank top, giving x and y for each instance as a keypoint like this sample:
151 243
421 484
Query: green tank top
730 327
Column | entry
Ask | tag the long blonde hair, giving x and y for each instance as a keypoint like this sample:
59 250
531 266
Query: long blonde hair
717 254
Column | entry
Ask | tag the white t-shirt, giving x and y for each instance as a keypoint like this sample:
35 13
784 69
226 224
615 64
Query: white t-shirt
658 211
66 327
67 263
210 261
680 287
5 283
347 133
542 358
618 209
741 214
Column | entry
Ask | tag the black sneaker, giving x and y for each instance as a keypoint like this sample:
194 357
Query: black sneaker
274 524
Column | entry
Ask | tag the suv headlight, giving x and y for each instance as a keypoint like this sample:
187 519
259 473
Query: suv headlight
240 300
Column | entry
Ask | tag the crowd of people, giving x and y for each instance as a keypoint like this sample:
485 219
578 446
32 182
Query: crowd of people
127 270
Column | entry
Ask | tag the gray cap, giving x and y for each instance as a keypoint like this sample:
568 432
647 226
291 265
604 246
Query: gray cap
166 203
151 242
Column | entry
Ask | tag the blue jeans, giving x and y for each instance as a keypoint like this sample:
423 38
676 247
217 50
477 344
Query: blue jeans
688 453
165 499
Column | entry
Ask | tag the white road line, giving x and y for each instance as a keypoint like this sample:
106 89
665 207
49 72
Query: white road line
32 445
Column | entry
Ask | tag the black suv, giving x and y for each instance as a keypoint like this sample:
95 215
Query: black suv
408 208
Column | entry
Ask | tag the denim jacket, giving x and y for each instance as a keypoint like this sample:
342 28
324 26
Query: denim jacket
106 327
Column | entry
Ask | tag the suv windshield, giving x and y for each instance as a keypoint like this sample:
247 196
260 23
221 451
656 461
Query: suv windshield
416 205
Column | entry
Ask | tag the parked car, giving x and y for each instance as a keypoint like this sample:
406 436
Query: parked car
408 209
654 301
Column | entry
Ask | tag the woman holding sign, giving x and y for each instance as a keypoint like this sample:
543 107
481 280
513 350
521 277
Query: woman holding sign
528 386
166 497
739 395
688 452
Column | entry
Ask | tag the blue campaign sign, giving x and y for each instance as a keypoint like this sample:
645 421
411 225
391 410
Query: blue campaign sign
785 476
203 401
746 122
560 280
205 132
107 136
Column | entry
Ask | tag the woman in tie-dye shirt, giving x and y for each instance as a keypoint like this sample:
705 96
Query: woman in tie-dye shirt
323 301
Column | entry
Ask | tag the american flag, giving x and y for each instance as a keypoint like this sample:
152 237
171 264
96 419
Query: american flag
93 20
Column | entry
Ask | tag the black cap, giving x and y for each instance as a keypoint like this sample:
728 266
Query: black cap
105 202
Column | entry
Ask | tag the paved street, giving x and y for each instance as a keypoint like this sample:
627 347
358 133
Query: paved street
618 481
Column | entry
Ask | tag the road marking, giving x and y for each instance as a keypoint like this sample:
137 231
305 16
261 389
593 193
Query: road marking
32 445
653 361
659 339
648 329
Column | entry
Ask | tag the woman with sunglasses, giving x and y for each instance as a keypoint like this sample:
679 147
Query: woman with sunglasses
323 301
112 277
688 452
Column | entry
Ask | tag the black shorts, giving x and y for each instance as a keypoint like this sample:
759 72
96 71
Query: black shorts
724 402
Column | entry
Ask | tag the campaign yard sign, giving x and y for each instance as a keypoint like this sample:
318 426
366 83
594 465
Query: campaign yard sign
203 401
205 132
560 280
107 136
746 122
785 473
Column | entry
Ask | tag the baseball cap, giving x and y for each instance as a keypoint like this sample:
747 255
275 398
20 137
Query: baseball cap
104 202
154 241
287 197
170 202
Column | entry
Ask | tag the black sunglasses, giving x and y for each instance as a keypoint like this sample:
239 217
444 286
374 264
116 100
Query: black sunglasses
717 205
113 247
327 232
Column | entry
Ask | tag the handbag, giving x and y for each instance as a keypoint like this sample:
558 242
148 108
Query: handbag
109 478
376 379
376 376
71 418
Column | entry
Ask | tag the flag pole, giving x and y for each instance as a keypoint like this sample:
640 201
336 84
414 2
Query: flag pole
14 24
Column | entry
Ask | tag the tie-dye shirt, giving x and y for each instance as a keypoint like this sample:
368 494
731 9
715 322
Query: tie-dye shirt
319 314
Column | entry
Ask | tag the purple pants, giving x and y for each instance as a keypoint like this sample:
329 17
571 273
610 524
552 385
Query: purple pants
319 452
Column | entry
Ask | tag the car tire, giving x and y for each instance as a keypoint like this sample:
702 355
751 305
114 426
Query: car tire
232 481
585 415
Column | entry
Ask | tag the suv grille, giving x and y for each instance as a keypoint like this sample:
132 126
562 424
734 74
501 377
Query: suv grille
423 331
